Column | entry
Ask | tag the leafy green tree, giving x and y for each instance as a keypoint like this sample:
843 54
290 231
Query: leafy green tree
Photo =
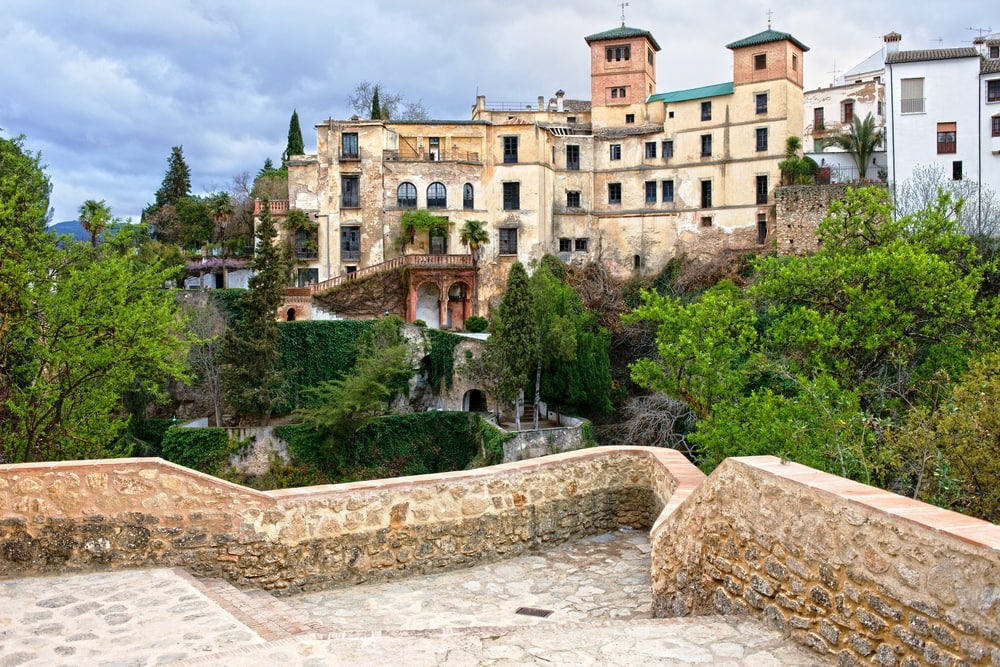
271 182
513 343
295 144
194 222
796 169
861 140
474 236
250 373
95 218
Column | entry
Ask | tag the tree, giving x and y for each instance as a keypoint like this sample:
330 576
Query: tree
295 144
95 217
220 208
195 225
513 343
177 181
796 169
206 326
376 113
474 236
251 376
391 106
270 182
860 140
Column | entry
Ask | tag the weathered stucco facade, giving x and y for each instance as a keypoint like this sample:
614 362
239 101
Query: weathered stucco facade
629 178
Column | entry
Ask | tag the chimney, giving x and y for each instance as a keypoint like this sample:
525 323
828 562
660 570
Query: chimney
541 103
892 40
560 94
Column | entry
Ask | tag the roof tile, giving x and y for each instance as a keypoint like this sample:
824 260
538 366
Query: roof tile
930 54
764 38
623 32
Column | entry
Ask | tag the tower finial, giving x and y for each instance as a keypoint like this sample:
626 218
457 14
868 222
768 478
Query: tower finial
623 5
769 15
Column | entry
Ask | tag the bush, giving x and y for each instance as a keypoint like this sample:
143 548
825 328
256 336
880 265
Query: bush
418 323
204 449
477 324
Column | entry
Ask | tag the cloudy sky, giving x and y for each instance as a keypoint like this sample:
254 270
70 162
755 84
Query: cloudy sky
104 88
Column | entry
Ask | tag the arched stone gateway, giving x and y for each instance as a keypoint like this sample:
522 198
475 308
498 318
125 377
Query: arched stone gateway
474 401
428 298
290 315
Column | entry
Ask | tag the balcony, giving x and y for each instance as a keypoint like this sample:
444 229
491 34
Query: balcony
350 255
410 155
275 206
350 156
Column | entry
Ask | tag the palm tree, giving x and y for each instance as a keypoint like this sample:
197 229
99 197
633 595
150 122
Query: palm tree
95 216
474 236
220 207
860 140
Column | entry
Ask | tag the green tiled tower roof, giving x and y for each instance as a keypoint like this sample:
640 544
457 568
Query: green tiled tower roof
624 32
766 37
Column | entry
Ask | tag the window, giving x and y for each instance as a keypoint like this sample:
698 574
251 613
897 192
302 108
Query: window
762 190
629 118
667 191
911 95
946 140
468 197
761 227
706 194
795 63
618 52
848 111
565 245
995 124
580 245
434 148
572 199
571 120
650 192
993 90
760 102
617 93
956 170
510 150
667 148
994 52
306 244
706 145
406 195
818 123
614 193
350 244
761 139
650 149
350 192
573 158
760 61
511 196
649 56
349 146
616 151
706 110
437 196
508 241
706 221
439 244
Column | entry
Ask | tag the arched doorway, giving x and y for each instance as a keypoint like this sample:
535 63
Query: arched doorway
458 305
428 300
474 401
290 315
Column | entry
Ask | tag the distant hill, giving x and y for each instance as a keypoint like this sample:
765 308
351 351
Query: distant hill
72 227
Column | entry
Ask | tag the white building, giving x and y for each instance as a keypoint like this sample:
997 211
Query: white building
943 108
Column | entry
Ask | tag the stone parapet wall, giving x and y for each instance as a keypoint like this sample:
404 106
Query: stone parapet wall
799 210
847 569
76 516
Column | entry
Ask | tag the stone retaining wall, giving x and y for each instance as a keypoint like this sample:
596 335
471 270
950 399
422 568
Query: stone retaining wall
844 568
799 210
75 516
531 443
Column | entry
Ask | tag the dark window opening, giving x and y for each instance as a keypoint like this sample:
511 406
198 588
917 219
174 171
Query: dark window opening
760 102
349 146
572 199
706 110
437 196
706 194
350 244
580 245
993 90
761 139
511 196
350 192
616 151
508 241
761 190
956 170
706 145
667 191
761 227
468 197
760 61
650 192
510 150
667 148
650 149
406 195
565 245
614 193
573 158
629 118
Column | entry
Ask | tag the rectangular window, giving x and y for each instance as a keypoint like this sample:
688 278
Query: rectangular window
761 190
848 115
510 150
349 146
618 93
616 151
706 194
614 193
911 95
956 170
565 245
350 244
650 192
760 102
761 227
580 245
667 149
994 52
795 63
350 192
618 52
995 123
511 196
649 56
761 139
573 158
946 138
706 110
508 241
667 191
572 199
650 149
993 90
706 145
818 123
629 118
760 61
706 221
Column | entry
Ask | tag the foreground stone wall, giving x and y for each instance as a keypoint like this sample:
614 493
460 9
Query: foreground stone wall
846 569
799 210
74 516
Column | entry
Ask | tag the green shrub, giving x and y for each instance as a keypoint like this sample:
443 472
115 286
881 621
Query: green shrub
418 323
204 449
477 324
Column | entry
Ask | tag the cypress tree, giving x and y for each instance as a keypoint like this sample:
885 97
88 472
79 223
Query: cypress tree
376 108
295 144
514 338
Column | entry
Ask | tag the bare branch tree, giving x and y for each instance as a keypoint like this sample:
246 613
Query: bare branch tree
394 106
655 420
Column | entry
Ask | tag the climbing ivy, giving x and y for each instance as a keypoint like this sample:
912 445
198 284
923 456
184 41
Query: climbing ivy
439 364
203 449
313 352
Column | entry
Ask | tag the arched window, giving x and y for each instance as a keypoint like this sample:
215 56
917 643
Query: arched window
437 196
468 197
406 195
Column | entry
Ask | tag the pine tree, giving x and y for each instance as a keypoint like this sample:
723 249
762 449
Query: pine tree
177 181
376 108
295 144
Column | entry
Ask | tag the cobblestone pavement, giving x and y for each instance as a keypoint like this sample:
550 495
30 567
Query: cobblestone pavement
597 589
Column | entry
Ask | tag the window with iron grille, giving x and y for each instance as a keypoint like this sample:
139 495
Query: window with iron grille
993 90
565 245
760 102
508 241
437 196
350 192
510 150
406 195
580 245
650 192
995 125
614 193
468 197
350 244
511 196
818 123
